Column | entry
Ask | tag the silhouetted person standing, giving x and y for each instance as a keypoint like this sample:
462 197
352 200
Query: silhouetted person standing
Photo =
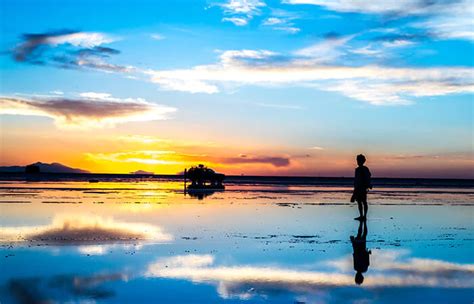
361 254
362 184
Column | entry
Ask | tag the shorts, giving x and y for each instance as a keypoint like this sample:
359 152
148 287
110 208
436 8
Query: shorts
359 196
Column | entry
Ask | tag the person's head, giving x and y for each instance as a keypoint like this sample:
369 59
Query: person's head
359 278
360 159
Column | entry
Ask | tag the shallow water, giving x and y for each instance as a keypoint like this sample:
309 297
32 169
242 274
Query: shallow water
115 242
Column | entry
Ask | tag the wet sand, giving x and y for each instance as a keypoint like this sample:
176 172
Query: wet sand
148 242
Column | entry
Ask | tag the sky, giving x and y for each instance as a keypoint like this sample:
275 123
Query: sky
254 87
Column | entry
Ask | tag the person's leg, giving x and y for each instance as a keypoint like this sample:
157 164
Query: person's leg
366 208
359 231
359 205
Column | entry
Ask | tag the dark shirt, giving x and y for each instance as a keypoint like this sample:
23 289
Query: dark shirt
360 255
362 178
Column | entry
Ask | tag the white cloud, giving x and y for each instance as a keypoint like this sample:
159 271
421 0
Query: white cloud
367 51
273 21
82 39
397 43
157 37
183 85
364 6
453 21
246 7
241 11
282 23
236 20
381 49
326 50
374 93
445 19
235 56
398 92
374 84
95 95
288 29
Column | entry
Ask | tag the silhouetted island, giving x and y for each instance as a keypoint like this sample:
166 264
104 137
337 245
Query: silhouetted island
203 178
40 167
32 169
142 172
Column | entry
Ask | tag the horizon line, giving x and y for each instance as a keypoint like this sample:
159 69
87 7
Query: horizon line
232 176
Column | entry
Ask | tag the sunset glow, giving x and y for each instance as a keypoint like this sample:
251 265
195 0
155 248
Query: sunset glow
246 87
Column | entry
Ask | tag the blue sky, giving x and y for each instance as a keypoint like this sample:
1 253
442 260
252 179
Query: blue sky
391 79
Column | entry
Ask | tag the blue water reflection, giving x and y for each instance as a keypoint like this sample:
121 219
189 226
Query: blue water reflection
242 247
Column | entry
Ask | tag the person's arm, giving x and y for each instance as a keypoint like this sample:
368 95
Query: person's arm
355 178
353 191
369 178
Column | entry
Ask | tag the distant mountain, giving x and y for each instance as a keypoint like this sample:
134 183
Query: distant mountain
44 168
141 172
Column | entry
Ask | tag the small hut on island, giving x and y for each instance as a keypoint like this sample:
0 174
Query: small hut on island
203 178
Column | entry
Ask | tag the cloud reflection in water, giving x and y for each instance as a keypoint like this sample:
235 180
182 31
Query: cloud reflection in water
90 229
240 281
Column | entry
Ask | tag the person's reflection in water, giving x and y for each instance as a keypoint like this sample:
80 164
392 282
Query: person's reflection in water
361 254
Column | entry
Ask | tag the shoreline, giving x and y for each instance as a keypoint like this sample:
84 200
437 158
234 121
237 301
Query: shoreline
243 180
